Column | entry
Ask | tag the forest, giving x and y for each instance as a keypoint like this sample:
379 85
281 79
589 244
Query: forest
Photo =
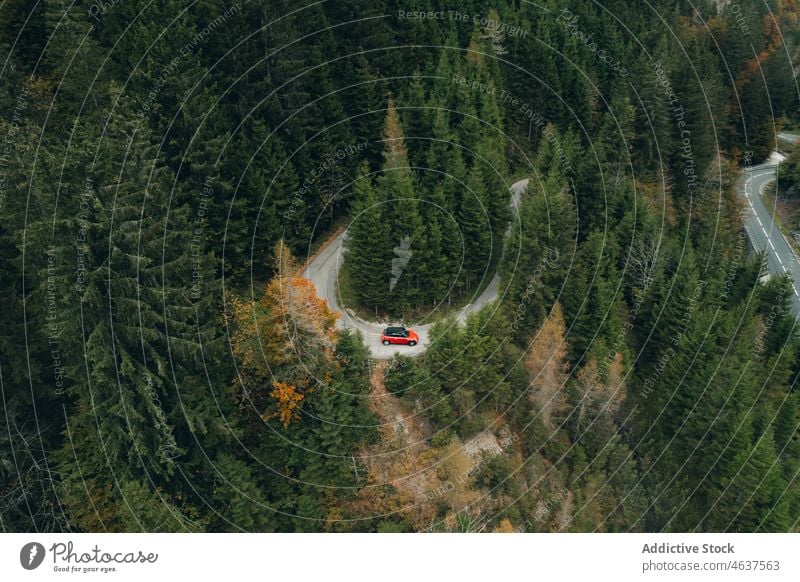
169 168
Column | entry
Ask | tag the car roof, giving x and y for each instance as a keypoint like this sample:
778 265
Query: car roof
394 329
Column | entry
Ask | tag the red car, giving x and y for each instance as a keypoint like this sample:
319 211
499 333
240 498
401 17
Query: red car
399 335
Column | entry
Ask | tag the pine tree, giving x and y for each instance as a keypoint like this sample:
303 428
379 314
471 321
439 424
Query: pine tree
363 103
416 121
677 298
591 300
498 196
474 225
538 252
141 338
367 256
439 149
413 382
404 225
754 499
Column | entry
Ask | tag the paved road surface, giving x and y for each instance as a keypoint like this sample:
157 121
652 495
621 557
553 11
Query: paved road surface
789 138
764 232
323 271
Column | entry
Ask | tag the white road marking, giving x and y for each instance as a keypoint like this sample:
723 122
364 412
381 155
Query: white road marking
770 173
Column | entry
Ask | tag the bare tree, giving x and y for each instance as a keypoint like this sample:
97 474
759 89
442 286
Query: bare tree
468 521
644 260
495 34
28 500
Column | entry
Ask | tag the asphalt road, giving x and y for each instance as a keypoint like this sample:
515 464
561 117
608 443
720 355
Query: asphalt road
323 272
762 228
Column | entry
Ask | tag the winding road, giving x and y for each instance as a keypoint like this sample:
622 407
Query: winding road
761 225
323 271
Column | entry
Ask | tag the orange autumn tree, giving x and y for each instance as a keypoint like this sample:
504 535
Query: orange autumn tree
283 342
549 369
774 24
288 400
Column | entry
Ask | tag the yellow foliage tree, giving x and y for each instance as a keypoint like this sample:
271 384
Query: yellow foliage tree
504 526
601 393
289 400
394 152
284 340
547 363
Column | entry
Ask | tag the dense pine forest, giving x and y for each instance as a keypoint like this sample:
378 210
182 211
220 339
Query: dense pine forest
168 168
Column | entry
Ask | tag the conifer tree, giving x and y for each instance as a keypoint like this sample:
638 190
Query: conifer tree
539 250
363 103
416 121
404 226
367 257
474 224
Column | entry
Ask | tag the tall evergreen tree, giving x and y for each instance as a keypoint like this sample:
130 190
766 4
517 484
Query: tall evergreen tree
368 257
404 226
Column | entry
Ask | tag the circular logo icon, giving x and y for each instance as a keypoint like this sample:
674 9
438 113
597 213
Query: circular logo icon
31 555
